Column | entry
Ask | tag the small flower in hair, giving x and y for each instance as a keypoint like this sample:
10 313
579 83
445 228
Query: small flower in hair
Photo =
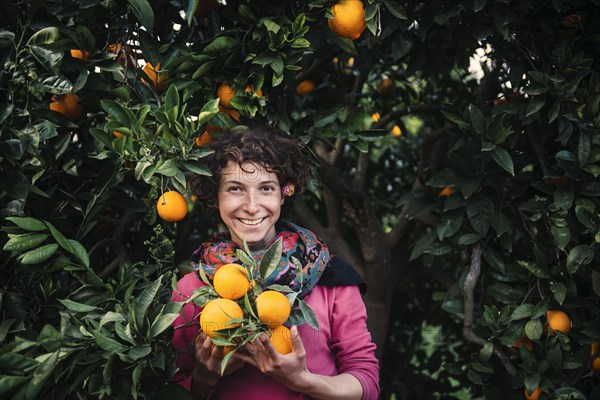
288 189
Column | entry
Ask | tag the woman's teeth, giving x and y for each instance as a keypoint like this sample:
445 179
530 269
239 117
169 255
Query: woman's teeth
251 221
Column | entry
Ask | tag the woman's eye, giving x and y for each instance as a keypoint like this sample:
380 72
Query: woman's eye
268 188
234 189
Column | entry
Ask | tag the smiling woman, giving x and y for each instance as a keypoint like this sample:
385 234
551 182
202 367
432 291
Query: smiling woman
257 172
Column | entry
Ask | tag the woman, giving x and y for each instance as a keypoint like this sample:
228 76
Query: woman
256 172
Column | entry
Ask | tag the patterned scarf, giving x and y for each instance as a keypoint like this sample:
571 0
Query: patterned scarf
297 242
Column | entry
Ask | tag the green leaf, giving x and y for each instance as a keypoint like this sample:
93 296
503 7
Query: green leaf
309 315
535 269
503 159
38 255
395 9
477 119
197 168
57 85
579 256
77 307
28 223
583 149
535 106
25 241
60 238
143 12
144 300
522 311
79 251
161 323
559 290
221 45
479 212
44 36
111 316
270 259
534 329
9 383
117 112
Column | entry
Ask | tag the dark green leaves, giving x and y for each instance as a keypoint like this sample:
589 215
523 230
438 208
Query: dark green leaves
143 12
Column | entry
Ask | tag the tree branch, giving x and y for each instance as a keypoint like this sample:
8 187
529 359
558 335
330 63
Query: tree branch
361 171
469 289
416 109
404 223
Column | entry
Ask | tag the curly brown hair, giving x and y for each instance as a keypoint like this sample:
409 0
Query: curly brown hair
264 145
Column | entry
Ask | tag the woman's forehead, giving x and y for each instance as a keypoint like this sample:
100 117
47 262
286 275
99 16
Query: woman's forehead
246 172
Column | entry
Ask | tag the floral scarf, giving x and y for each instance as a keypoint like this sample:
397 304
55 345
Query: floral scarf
297 242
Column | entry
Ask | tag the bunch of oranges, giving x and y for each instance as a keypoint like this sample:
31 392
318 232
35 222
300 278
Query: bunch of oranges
239 313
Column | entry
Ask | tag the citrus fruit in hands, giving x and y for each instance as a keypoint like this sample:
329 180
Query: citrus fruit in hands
217 313
281 337
68 105
273 308
348 19
558 321
171 206
231 281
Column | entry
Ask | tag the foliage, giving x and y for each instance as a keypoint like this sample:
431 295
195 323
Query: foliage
87 269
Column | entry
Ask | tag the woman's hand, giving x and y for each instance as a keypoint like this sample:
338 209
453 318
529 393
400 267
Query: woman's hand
290 370
208 359
287 368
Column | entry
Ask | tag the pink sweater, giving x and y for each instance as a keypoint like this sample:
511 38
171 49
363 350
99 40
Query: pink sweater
341 345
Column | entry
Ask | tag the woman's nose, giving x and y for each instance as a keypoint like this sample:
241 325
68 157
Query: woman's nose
251 203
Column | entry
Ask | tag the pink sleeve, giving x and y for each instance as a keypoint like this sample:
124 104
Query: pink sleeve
183 338
351 340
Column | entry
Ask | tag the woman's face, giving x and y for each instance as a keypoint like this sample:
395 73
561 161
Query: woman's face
250 203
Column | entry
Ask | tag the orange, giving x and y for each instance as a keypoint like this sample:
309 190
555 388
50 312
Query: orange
499 101
204 139
81 55
118 134
216 315
205 7
558 321
125 58
231 281
396 131
386 87
158 78
225 93
569 25
447 191
281 337
348 19
250 89
534 395
560 182
172 206
230 112
226 349
68 105
273 308
375 117
305 87
596 362
523 341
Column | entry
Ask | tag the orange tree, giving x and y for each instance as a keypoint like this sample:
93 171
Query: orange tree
101 106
